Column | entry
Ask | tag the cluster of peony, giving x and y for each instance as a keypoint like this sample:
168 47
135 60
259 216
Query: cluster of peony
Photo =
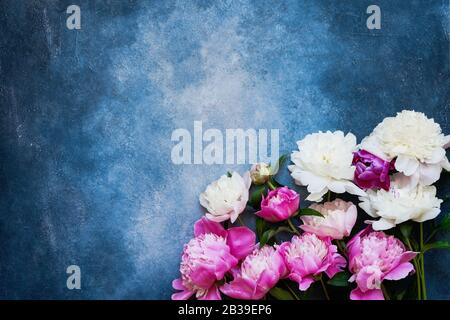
391 171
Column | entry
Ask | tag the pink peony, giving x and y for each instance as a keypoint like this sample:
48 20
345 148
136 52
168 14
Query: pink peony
259 273
374 257
280 204
337 222
209 256
307 256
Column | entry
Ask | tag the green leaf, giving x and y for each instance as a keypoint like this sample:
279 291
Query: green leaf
256 196
280 162
309 212
437 245
340 279
269 234
260 226
229 174
281 294
405 229
445 223
275 182
266 237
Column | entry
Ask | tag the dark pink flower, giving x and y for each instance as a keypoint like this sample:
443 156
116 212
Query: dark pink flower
371 172
280 204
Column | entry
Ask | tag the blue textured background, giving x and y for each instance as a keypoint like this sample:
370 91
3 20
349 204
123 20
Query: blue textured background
86 118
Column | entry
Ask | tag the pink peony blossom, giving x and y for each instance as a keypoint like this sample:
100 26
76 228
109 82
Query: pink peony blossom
280 204
259 272
337 222
374 257
209 256
307 256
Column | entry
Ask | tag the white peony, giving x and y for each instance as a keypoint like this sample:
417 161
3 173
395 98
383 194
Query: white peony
227 197
324 163
401 203
416 141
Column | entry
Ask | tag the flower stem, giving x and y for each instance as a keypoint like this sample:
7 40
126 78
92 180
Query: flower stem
292 291
418 279
385 293
340 247
416 262
293 228
422 264
324 288
329 196
271 186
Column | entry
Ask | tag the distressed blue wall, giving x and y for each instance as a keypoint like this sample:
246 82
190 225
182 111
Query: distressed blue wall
86 119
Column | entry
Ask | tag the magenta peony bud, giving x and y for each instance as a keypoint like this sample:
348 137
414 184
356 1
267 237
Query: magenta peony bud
371 172
280 204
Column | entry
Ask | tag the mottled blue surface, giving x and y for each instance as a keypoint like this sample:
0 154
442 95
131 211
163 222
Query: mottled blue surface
86 118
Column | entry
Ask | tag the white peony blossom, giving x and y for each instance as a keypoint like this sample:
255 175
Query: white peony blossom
401 203
324 163
227 197
416 141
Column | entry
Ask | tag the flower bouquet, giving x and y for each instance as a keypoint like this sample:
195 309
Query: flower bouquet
291 248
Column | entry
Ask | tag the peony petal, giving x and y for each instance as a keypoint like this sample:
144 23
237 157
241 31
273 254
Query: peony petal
382 224
445 164
305 283
217 218
317 197
241 241
177 284
183 295
239 288
351 188
211 294
437 156
205 225
429 173
446 142
375 294
315 183
406 164
430 214
400 272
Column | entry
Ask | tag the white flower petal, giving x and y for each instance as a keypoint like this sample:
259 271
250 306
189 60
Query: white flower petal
445 164
365 205
431 214
314 183
317 197
406 164
351 188
446 142
382 224
429 173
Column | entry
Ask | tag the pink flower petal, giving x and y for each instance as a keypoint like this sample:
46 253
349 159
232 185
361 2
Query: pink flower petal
183 295
239 289
400 272
241 241
205 225
375 294
212 294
